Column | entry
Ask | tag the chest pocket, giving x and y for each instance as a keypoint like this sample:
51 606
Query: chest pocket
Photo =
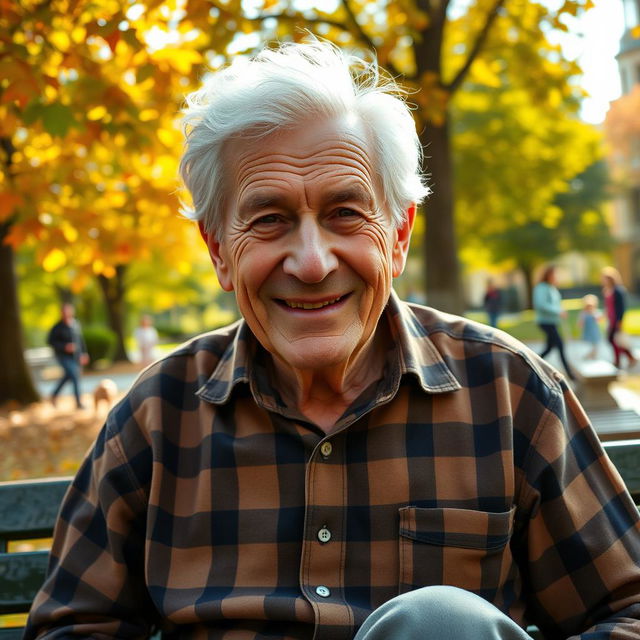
460 547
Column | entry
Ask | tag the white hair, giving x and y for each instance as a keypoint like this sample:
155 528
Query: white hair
280 88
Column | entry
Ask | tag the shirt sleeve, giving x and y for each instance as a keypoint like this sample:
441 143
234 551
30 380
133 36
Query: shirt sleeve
95 580
580 537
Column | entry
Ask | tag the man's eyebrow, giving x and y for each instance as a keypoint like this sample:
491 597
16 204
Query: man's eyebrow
261 200
355 193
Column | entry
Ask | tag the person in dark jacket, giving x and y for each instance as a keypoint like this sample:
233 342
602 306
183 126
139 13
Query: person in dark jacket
614 301
492 303
70 350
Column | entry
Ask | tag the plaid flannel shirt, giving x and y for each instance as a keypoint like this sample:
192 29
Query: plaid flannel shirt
212 509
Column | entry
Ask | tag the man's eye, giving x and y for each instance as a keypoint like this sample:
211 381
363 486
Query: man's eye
345 212
271 218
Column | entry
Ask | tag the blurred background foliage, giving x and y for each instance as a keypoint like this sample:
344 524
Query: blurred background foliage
90 139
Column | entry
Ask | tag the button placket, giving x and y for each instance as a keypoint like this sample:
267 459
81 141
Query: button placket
321 576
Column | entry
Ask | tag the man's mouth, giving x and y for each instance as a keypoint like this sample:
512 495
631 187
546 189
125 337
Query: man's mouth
308 306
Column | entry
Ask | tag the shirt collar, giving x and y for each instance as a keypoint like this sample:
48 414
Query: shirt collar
416 355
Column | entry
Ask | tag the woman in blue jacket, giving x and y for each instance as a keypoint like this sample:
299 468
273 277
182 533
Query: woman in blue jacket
549 313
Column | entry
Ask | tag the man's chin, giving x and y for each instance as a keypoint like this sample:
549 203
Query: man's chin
314 354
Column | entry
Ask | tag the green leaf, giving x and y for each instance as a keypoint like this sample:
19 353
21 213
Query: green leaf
33 111
144 72
57 119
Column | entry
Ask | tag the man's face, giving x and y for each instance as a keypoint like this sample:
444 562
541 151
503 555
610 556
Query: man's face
308 243
67 312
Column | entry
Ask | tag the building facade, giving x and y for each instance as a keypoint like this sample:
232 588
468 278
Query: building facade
622 129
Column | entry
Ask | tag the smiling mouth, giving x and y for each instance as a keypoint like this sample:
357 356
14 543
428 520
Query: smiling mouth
310 306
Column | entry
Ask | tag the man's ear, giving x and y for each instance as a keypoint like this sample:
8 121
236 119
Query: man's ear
218 258
403 240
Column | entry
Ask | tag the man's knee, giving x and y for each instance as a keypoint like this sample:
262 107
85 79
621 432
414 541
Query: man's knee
440 613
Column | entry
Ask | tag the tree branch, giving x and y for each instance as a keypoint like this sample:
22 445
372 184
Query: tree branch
300 18
356 27
365 38
475 49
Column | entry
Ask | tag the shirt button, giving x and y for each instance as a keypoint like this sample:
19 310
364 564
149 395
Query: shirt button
324 535
326 448
323 591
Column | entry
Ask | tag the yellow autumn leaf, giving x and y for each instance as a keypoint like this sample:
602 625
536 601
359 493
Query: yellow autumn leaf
60 40
184 267
108 271
169 137
70 233
97 113
78 34
484 73
97 266
180 59
147 115
117 198
54 260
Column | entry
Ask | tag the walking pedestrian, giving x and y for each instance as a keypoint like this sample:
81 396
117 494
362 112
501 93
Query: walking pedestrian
70 350
615 305
147 338
549 314
492 303
589 324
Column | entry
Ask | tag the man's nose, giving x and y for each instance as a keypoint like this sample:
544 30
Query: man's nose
311 257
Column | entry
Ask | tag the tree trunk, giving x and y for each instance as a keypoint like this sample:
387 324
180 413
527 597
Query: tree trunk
527 271
444 290
113 290
16 383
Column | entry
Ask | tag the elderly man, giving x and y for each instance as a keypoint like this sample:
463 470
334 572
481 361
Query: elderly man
338 463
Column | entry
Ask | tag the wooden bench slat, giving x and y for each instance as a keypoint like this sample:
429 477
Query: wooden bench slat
14 633
21 575
625 455
29 509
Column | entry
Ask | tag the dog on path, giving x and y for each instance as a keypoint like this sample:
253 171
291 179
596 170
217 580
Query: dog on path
106 392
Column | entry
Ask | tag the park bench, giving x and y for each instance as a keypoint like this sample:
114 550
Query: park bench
615 424
40 360
28 510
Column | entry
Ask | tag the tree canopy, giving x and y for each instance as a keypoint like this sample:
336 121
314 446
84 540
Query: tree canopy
89 140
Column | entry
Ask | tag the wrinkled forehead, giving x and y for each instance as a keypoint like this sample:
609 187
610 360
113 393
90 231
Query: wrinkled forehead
340 148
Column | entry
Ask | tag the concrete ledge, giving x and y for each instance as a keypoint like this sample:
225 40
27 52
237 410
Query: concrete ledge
594 378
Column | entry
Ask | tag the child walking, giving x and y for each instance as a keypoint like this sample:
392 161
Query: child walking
589 322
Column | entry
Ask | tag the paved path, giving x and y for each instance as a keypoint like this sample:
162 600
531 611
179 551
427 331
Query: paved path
88 383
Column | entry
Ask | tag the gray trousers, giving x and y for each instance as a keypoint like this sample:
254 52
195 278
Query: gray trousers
439 613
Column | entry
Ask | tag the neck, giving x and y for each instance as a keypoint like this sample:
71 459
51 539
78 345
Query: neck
323 395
